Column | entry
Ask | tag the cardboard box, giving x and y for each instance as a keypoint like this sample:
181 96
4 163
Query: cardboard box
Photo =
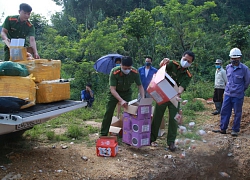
131 123
136 139
107 146
140 139
52 91
115 128
20 87
162 87
17 50
162 126
126 136
43 69
142 109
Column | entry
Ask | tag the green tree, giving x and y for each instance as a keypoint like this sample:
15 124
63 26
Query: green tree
138 24
40 23
238 36
106 38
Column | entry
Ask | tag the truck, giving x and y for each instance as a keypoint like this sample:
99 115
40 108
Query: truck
25 119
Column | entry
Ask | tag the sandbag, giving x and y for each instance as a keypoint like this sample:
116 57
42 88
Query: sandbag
11 104
9 68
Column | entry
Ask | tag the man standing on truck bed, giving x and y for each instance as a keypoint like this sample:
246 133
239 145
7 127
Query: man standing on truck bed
120 80
19 26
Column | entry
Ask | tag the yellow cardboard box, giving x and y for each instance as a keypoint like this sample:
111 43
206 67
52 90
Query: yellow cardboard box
43 69
51 91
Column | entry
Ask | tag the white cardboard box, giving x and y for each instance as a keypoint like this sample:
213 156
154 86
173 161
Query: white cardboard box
115 127
162 87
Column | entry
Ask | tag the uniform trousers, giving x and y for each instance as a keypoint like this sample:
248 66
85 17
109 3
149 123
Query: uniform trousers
157 118
110 108
226 111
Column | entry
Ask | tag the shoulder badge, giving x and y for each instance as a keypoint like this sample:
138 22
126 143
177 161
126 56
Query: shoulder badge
28 23
176 63
117 71
13 19
134 70
189 74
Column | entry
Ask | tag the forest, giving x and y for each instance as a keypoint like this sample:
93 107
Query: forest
87 29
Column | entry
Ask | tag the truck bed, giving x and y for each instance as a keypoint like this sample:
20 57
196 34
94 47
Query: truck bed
26 118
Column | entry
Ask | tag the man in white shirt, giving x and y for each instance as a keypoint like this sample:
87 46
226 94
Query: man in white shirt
219 86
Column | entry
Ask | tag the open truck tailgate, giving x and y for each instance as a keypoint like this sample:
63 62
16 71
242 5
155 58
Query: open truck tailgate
40 113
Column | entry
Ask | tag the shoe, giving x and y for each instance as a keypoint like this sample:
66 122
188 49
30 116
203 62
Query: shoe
154 144
215 112
172 147
233 133
220 131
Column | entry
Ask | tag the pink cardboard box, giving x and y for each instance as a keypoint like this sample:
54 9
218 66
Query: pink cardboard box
141 109
140 139
162 87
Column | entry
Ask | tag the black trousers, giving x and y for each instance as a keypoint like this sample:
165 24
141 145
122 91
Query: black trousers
218 95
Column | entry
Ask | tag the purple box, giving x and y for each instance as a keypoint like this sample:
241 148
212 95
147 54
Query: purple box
140 139
130 122
126 137
141 126
144 112
142 109
126 119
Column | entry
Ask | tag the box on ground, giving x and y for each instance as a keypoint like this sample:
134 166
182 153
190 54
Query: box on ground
107 146
52 91
162 87
141 109
43 69
131 123
20 87
136 139
115 128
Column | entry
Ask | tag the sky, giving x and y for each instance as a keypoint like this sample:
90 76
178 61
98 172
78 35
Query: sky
44 7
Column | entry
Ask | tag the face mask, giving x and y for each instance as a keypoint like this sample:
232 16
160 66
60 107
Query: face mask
126 71
147 64
217 66
235 62
184 64
117 64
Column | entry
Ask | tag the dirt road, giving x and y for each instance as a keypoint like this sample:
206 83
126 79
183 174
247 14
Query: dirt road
216 156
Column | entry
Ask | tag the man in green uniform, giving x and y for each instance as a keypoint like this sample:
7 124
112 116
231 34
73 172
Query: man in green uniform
179 72
120 80
19 27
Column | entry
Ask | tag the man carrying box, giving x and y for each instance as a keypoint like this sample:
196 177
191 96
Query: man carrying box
19 27
120 80
181 75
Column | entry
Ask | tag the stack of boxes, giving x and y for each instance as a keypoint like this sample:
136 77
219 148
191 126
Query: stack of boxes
137 123
50 87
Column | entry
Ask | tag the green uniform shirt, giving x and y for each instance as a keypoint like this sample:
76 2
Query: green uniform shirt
180 75
18 29
121 81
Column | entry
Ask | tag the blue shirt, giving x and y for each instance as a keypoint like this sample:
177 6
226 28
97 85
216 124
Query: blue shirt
86 96
238 80
146 80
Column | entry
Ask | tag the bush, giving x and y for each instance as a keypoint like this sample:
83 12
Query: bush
74 131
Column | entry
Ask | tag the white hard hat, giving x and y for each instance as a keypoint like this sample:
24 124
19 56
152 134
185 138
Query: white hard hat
235 53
